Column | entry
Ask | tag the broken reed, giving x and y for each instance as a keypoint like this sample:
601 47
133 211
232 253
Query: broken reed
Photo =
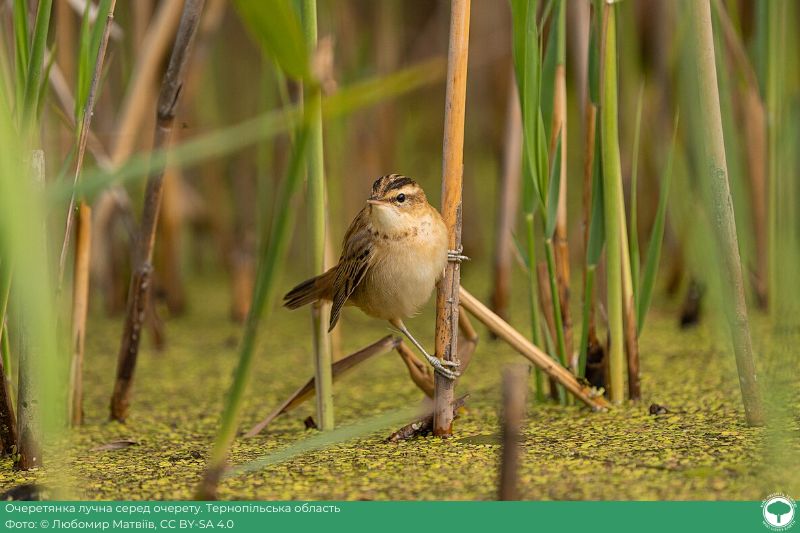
317 218
447 292
515 393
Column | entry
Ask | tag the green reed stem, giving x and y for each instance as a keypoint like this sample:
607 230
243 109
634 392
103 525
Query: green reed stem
533 299
273 252
320 312
612 186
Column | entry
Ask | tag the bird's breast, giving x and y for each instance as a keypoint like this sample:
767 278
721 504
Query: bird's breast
408 264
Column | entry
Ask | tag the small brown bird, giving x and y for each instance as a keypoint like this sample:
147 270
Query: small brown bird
393 254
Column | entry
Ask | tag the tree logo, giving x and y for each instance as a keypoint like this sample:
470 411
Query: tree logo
779 512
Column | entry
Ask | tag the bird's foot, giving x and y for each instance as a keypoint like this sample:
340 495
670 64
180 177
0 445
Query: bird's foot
455 256
440 366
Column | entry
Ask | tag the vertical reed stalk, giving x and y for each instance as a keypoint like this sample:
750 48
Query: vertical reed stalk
452 173
588 331
141 277
559 128
533 299
612 188
315 168
8 421
80 308
514 400
777 181
715 165
629 309
29 391
509 201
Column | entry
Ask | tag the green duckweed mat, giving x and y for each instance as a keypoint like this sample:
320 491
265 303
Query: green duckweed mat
701 449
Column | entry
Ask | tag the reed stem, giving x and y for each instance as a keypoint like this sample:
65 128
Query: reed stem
317 222
533 301
735 306
141 278
612 188
514 400
452 173
532 353
29 386
80 309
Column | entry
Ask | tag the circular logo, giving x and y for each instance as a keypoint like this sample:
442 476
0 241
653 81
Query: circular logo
779 512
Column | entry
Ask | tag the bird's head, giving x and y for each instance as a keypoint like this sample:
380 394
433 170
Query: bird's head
396 200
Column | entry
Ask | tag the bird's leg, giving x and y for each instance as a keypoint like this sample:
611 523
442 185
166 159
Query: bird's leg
438 365
455 256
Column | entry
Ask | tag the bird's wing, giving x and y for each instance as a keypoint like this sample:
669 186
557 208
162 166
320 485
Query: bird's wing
356 258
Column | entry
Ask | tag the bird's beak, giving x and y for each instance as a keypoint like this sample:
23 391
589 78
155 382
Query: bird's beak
373 201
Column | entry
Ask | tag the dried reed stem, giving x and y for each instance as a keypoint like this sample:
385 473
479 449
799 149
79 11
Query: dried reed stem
339 369
535 355
421 373
509 202
629 311
155 45
514 400
452 173
716 167
559 128
80 308
588 331
141 278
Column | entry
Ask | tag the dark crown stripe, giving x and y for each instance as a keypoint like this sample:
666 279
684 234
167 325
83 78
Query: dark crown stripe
399 183
390 182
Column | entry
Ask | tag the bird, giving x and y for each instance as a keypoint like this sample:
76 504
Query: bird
393 254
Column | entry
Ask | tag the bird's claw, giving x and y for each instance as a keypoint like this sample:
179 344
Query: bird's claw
455 256
440 367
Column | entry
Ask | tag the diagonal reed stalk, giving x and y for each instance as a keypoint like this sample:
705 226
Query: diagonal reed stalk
532 353
612 209
716 178
273 252
267 125
452 175
141 277
320 311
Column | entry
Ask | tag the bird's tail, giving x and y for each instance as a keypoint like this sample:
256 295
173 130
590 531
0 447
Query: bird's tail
311 290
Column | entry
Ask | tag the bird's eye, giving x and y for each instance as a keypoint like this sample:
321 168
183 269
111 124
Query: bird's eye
401 198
